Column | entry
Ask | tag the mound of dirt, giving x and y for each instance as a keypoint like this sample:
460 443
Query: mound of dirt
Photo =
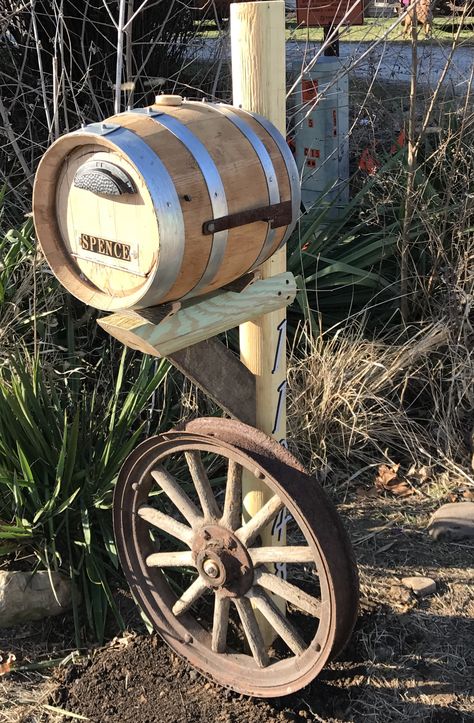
142 681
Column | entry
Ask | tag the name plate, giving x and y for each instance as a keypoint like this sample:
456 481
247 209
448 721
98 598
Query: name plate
114 254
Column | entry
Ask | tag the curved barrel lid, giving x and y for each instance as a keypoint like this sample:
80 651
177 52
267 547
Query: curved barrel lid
105 213
102 201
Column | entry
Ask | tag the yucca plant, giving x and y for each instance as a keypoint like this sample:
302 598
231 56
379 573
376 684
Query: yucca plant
16 249
351 265
17 252
345 264
63 438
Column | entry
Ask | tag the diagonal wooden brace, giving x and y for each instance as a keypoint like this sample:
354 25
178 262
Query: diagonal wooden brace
221 375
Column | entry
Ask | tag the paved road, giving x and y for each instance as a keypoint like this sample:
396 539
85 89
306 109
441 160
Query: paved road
391 61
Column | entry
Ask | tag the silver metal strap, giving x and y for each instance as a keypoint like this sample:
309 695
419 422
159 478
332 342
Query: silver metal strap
267 167
215 188
165 200
291 169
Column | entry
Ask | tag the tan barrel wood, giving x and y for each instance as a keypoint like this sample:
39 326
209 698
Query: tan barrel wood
243 180
189 183
67 217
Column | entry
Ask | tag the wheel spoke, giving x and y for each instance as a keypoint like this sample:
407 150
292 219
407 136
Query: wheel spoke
248 532
167 524
189 596
170 559
279 623
261 555
252 631
174 491
203 487
290 593
220 623
233 497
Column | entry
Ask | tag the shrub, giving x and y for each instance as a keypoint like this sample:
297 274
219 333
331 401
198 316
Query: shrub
63 438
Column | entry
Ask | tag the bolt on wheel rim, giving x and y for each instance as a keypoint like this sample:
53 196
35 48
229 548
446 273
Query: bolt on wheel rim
202 576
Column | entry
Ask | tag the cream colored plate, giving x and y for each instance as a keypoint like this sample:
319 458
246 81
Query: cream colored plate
113 239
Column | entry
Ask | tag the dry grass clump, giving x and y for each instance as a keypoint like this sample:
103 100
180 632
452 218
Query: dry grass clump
404 394
354 401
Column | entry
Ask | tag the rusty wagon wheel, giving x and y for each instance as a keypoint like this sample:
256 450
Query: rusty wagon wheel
202 577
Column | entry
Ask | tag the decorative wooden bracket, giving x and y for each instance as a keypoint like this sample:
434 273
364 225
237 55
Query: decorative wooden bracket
183 332
162 331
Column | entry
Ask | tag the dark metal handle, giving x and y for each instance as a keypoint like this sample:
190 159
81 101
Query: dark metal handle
104 179
278 214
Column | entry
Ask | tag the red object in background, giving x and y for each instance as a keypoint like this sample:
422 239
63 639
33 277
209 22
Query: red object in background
315 13
311 154
399 143
368 163
309 90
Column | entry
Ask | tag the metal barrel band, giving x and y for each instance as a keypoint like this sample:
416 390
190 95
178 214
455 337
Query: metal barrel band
215 189
164 196
291 169
268 169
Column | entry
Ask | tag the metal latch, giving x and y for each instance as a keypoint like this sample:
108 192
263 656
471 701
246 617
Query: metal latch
278 214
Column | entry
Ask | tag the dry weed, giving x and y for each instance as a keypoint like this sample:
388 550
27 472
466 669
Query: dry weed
354 402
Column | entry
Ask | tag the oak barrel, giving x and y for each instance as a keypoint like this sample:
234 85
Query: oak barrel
164 203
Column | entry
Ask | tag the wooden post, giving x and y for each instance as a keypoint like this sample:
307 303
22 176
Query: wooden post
259 85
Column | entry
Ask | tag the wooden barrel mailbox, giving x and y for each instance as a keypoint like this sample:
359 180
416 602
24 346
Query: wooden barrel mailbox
164 203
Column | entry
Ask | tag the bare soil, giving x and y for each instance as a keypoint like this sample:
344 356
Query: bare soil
410 659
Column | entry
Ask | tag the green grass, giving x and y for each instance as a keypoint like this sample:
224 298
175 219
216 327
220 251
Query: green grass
444 29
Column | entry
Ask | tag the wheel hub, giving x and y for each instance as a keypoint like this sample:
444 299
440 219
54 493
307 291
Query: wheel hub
211 568
222 561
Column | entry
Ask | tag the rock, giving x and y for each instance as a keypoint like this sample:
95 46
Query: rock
28 596
421 586
453 521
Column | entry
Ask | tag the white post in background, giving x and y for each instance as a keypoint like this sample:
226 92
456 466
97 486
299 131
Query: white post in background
259 85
